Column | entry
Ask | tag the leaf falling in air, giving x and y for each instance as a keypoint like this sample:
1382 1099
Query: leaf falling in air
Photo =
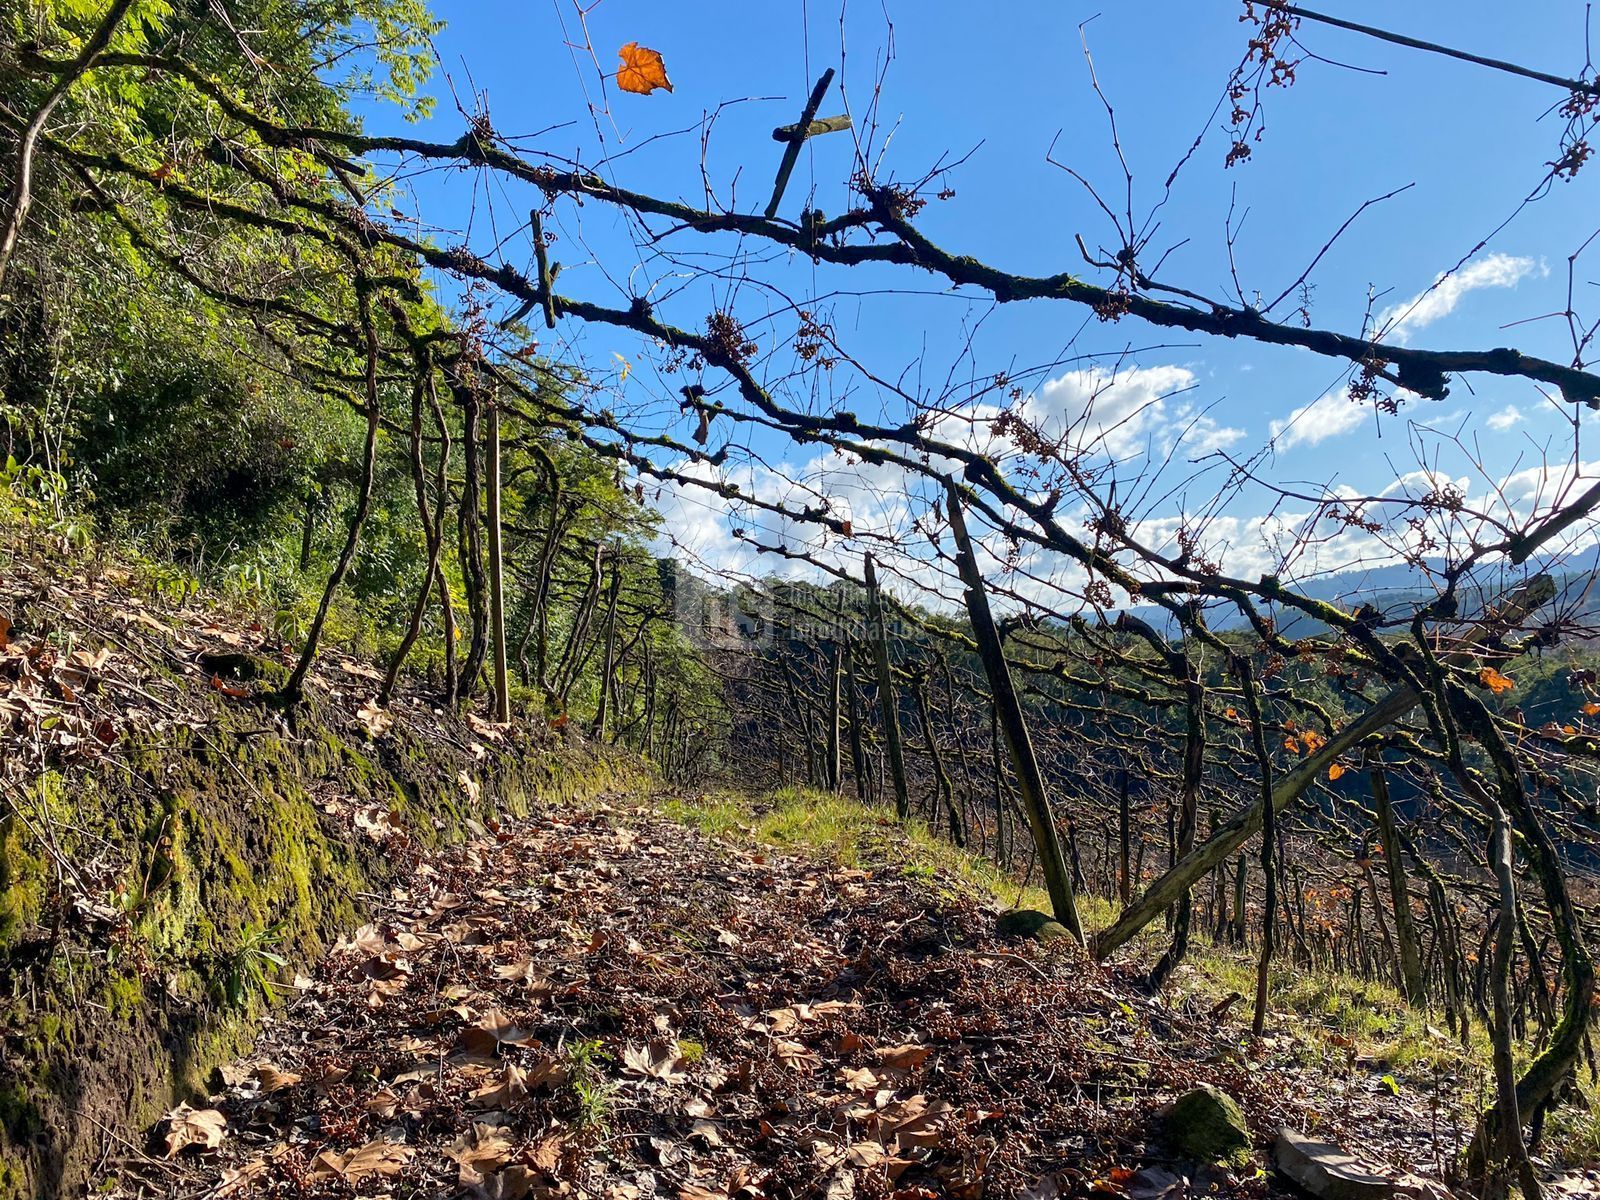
642 70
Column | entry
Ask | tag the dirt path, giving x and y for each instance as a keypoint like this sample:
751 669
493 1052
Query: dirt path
604 1003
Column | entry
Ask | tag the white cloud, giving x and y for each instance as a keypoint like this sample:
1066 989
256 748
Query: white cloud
1399 321
1505 418
1125 414
1329 415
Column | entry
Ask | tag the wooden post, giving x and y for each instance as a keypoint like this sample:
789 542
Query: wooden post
497 589
878 635
1124 840
611 644
1030 781
1405 929
835 768
858 758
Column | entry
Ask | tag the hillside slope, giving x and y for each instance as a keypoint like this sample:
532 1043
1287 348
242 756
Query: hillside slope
169 841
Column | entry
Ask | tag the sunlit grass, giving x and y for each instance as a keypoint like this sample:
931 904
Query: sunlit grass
1342 1015
850 834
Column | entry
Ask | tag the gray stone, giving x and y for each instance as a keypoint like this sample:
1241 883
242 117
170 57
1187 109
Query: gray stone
1328 1172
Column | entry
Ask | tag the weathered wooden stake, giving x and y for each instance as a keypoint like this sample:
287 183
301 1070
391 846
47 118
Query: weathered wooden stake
497 590
1405 928
878 635
1030 781
795 135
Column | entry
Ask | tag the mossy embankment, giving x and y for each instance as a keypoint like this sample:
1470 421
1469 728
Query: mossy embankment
155 900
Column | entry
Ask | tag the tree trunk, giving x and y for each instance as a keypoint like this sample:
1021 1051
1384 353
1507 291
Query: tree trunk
432 522
470 534
835 751
294 688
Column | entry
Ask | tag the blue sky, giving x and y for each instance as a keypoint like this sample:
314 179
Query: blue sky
995 86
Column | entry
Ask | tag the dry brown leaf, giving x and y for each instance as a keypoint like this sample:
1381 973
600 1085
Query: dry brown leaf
708 1132
505 1030
545 1154
859 1079
903 1058
912 1122
273 1080
186 1126
375 1158
377 720
515 1182
483 1148
491 730
511 1087
795 1056
238 1180
657 1060
383 1103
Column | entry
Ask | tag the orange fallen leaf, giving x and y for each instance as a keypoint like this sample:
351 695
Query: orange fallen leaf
1335 771
642 70
228 689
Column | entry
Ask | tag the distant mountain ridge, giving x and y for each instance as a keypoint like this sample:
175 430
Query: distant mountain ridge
1403 586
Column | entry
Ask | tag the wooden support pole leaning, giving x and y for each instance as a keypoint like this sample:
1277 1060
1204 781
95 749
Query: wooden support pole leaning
835 766
795 135
1008 706
878 635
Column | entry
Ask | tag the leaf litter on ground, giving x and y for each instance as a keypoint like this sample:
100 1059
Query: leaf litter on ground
602 1003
